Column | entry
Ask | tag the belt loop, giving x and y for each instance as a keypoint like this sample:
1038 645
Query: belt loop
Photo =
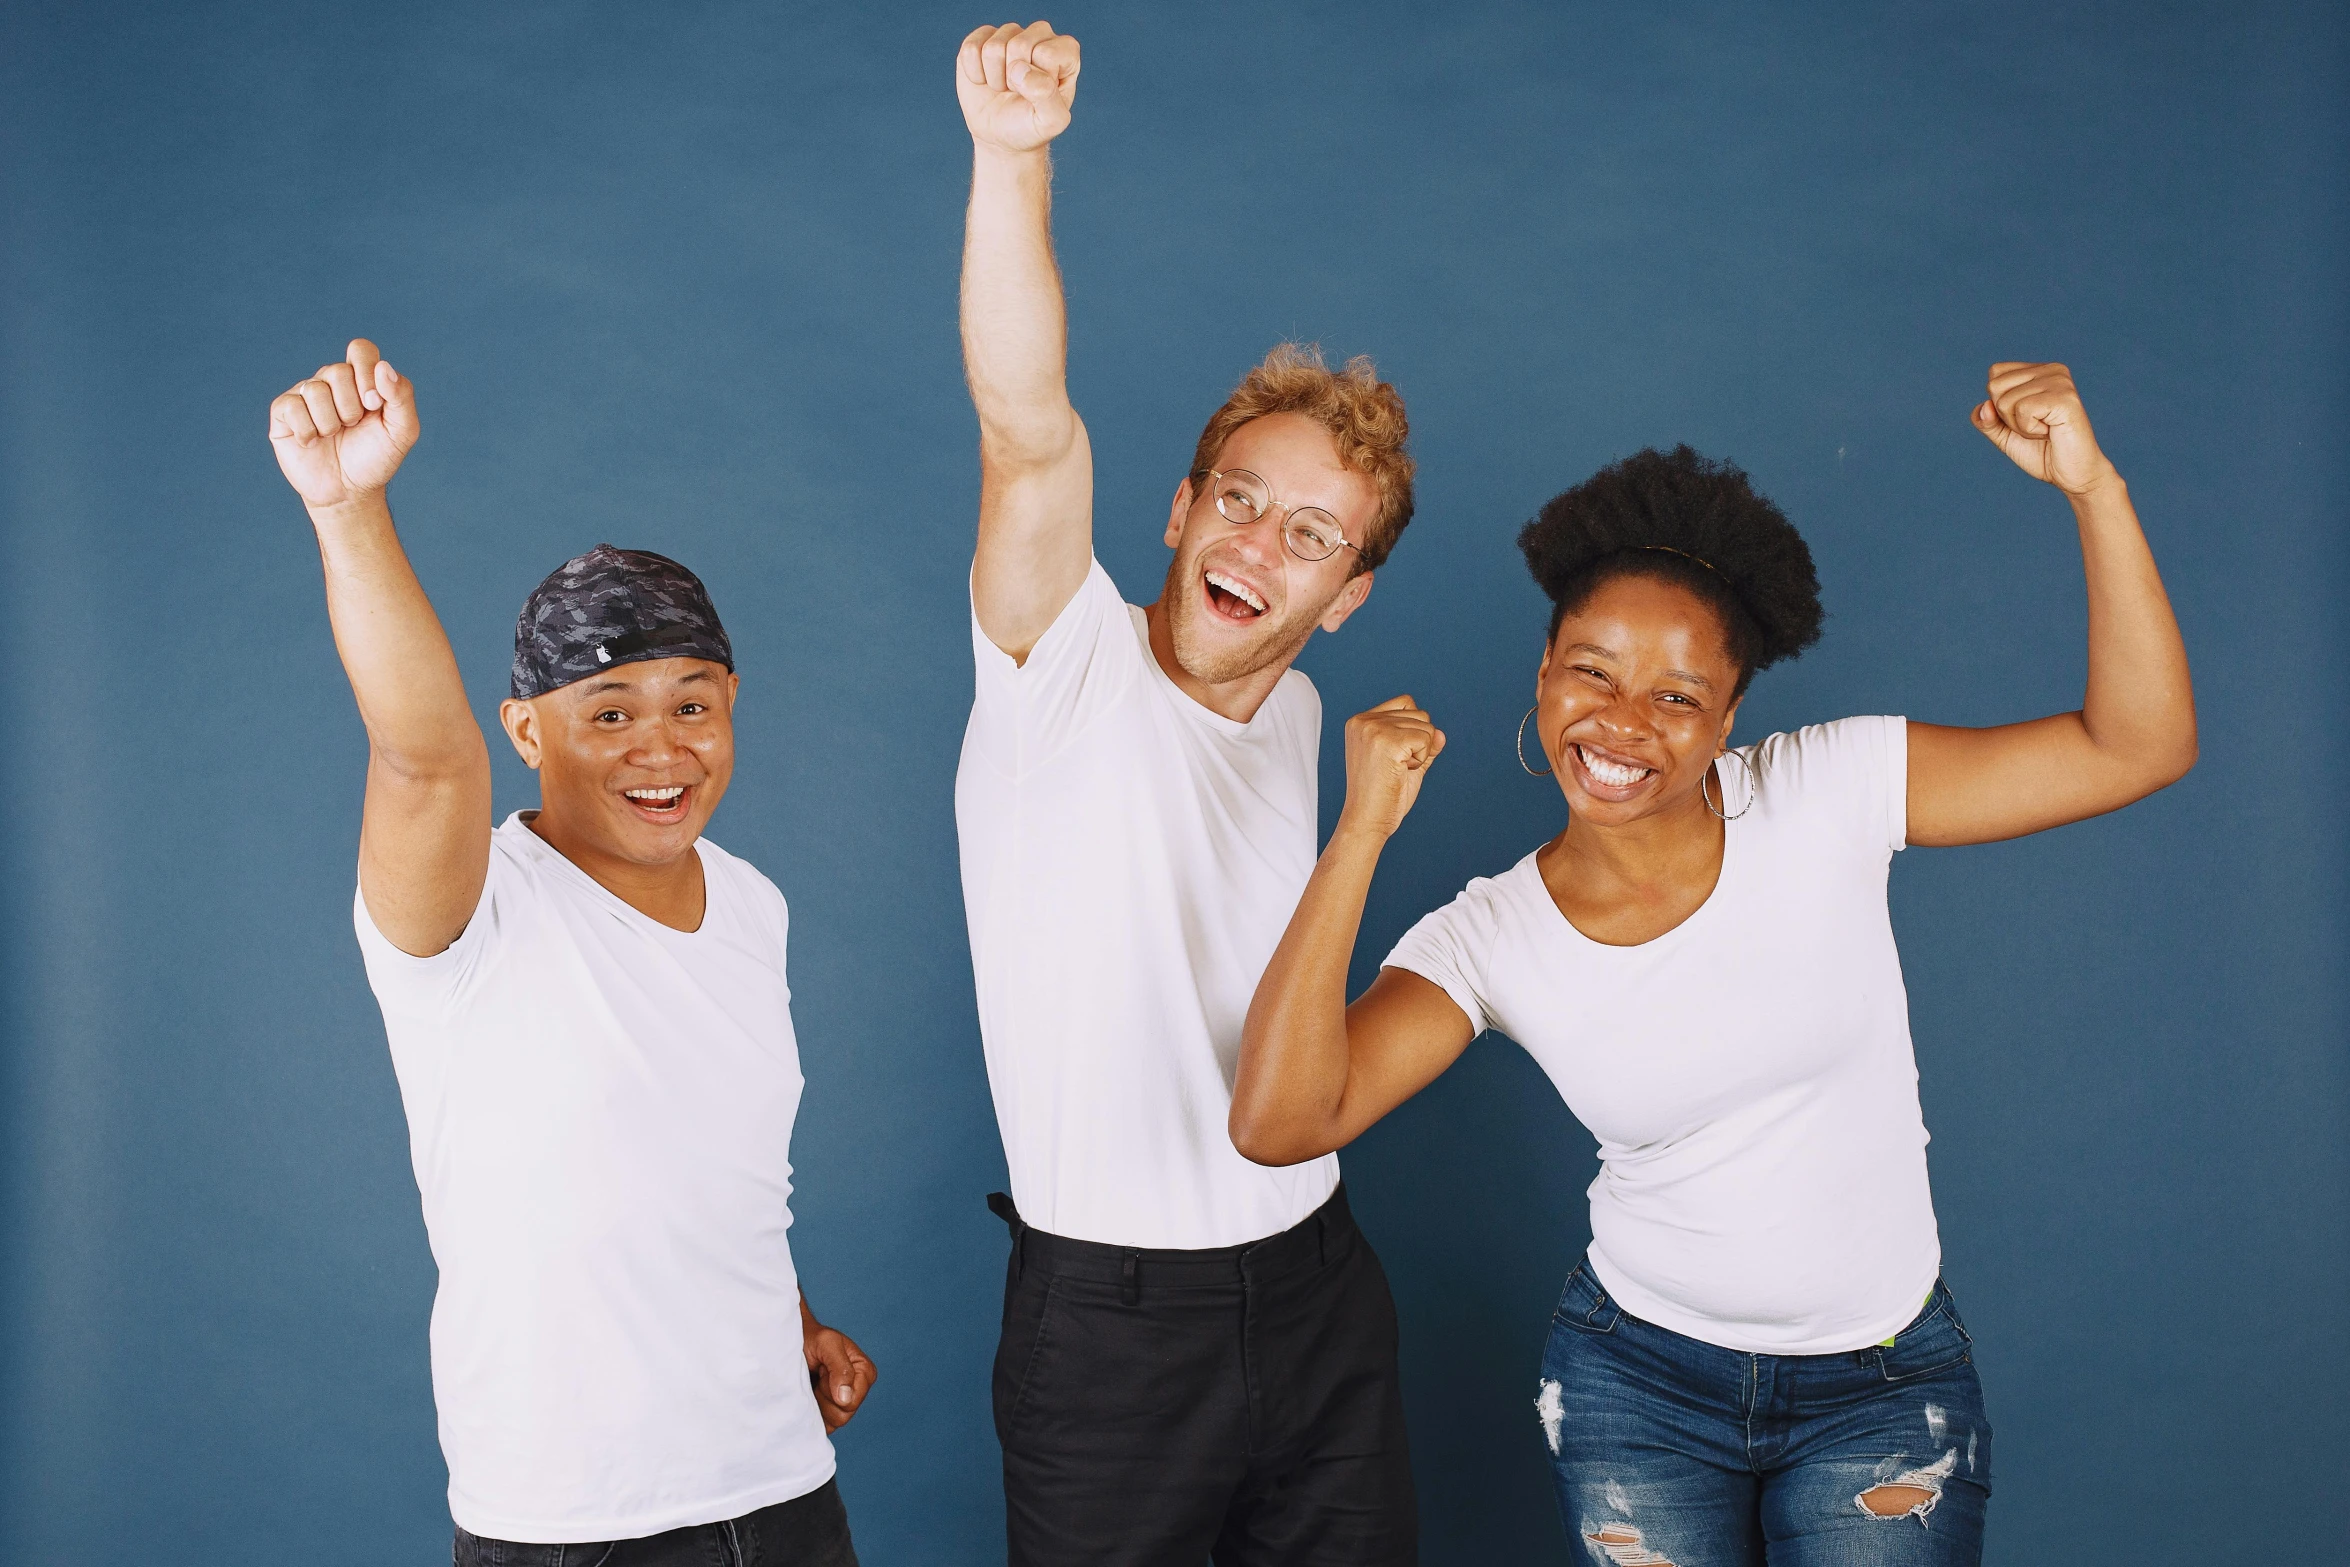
1131 1276
1322 1239
1000 1204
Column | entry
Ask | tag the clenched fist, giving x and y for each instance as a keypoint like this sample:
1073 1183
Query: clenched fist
1016 84
341 434
1388 750
2034 414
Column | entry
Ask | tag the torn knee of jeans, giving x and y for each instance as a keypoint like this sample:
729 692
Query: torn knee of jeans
1911 1493
1624 1546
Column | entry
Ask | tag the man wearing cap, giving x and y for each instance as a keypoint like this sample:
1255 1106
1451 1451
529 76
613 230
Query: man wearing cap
590 1023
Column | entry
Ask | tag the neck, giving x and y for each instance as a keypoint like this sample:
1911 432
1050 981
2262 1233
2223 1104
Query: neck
1663 847
1238 699
672 892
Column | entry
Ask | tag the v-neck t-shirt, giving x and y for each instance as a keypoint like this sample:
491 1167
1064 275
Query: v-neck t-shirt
1130 860
600 1113
1748 1074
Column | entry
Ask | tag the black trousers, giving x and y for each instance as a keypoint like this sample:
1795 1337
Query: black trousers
1240 1404
807 1531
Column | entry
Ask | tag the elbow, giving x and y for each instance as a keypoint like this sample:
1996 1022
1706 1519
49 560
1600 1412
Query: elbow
1013 444
1260 1140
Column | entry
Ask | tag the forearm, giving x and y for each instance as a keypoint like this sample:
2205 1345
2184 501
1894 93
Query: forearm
410 694
1015 323
2139 708
1290 1093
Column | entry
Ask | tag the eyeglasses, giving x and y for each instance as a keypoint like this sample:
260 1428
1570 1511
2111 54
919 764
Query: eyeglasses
1243 498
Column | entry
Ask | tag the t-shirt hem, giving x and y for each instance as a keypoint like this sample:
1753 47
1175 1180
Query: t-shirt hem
585 1531
1649 1308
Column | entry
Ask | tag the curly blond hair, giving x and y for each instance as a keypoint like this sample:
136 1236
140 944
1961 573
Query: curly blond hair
1363 414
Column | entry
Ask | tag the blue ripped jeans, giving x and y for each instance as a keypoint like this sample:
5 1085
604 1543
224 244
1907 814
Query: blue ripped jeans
1670 1452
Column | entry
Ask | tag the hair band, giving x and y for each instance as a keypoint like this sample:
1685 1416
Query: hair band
1684 554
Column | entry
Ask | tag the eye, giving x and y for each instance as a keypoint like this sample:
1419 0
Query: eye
611 715
1589 673
690 709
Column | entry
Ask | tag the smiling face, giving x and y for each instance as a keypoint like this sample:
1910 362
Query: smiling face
1237 600
1635 700
630 763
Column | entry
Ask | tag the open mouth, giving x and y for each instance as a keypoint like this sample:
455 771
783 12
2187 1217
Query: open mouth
1609 776
1232 598
666 803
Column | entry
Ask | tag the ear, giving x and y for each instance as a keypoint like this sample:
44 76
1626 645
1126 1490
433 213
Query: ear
1350 598
734 686
1722 741
1178 511
521 722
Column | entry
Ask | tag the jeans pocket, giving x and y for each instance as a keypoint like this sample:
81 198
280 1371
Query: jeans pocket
1027 1316
1935 1341
1584 1305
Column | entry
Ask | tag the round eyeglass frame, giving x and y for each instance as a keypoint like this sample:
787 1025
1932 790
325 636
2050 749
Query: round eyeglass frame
1272 505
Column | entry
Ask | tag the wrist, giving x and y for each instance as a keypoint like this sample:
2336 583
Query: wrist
2105 484
1354 838
361 508
989 157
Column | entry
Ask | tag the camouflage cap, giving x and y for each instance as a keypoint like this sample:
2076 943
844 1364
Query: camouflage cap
612 606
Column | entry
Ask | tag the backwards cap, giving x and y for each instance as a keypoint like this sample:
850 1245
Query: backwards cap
612 606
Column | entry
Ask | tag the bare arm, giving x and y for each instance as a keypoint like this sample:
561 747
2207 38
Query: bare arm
424 839
1315 1073
1036 467
2135 731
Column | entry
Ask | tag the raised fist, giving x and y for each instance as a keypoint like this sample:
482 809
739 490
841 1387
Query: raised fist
342 433
1016 84
2034 414
1388 750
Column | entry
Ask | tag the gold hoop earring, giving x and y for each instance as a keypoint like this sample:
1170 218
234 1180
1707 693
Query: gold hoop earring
1750 789
1545 772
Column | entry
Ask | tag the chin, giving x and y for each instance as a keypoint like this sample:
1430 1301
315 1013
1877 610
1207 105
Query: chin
1216 656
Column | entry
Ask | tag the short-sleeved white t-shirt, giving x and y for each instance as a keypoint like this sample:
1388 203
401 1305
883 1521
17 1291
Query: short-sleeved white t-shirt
1130 860
600 1113
1748 1074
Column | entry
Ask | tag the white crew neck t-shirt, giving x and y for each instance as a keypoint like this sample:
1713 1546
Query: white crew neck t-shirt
1130 860
1748 1074
600 1112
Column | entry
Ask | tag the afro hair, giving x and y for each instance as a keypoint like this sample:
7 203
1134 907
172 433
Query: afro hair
1689 520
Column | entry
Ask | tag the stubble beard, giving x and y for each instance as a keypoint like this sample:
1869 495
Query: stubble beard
1273 643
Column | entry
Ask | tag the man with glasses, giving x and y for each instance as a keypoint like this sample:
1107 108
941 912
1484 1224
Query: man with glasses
1198 1353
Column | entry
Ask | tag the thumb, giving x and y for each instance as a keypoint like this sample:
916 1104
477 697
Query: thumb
399 395
1394 702
2014 443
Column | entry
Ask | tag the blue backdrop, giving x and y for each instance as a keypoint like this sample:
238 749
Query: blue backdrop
683 277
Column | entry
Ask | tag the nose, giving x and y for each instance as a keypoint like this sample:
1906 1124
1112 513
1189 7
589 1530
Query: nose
656 744
1624 717
1261 540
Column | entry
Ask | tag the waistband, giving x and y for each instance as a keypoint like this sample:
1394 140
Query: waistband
1312 1241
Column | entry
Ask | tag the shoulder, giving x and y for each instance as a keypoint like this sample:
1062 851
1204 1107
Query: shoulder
745 880
1479 910
1852 771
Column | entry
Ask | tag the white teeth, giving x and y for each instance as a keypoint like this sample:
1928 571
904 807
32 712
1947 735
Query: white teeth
1238 589
657 796
1610 773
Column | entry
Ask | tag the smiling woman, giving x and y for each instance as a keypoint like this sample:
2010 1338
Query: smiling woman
1758 1341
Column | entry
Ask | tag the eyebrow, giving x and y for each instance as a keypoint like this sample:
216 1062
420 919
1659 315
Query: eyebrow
617 684
1689 676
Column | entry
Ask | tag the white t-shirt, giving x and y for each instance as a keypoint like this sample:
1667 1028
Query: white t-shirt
1748 1074
1130 860
600 1112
